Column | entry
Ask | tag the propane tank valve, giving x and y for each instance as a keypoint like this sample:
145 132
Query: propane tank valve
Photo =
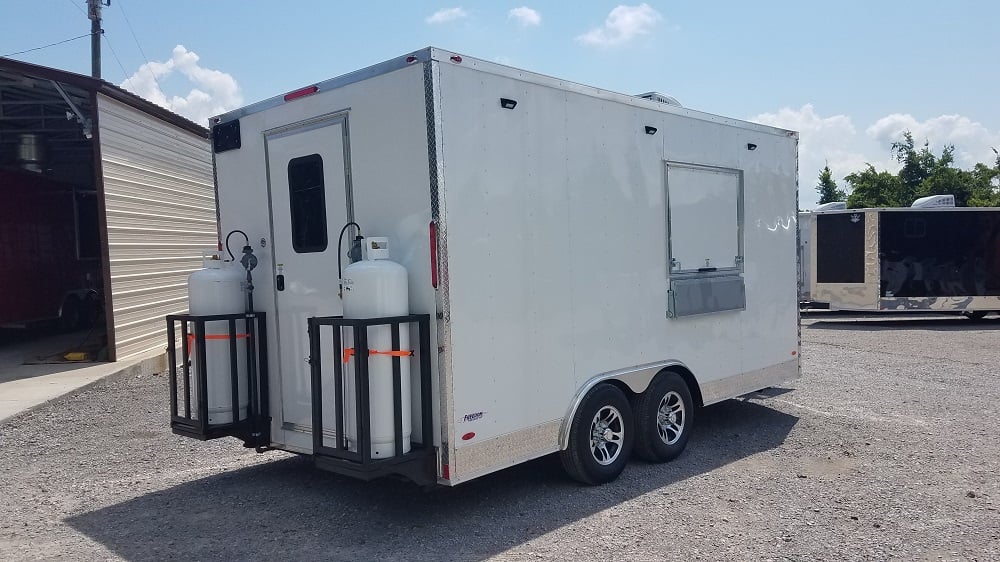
353 253
249 260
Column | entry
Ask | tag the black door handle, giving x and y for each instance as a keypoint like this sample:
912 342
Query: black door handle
280 283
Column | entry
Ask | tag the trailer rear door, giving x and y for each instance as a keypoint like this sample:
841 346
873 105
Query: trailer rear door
309 191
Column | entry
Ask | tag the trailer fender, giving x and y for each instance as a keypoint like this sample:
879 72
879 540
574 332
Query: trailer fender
635 379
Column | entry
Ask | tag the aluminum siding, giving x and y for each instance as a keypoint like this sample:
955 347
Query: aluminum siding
160 213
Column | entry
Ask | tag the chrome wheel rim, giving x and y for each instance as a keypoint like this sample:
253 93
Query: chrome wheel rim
607 433
670 418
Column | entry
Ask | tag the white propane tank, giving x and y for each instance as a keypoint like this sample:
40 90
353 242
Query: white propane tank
219 288
377 287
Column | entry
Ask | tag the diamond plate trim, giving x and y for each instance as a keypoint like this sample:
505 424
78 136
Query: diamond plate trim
435 166
506 450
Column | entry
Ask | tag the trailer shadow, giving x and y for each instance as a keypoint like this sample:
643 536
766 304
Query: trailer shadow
925 323
289 510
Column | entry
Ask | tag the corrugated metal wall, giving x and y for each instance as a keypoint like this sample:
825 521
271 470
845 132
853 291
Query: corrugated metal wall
160 206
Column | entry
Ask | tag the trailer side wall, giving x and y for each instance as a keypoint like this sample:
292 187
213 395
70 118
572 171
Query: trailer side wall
557 256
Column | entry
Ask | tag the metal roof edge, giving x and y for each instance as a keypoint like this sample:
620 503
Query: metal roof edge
445 56
402 61
442 56
98 85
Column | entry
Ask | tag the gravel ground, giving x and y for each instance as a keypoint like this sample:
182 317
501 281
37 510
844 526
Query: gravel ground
886 448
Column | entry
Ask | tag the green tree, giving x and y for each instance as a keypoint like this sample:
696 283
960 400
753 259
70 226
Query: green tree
827 187
946 180
922 174
871 188
918 165
986 184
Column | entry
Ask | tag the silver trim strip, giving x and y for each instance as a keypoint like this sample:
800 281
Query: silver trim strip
435 166
742 383
307 429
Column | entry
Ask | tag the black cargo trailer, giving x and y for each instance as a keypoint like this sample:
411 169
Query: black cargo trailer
906 259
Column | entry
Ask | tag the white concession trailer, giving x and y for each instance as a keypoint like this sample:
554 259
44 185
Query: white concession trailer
461 266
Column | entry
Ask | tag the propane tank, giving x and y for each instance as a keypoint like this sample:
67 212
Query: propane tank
376 287
219 288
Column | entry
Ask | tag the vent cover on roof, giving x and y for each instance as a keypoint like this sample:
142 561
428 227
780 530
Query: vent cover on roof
831 206
662 98
932 201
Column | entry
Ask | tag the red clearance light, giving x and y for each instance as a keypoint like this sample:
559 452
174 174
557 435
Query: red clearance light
301 93
468 436
411 59
445 473
456 58
434 254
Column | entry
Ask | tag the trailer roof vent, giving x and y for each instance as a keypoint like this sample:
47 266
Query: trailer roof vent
662 98
932 201
831 206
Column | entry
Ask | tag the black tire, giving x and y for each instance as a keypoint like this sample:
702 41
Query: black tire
662 435
589 437
975 314
69 315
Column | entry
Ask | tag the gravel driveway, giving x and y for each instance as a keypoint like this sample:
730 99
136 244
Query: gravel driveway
886 448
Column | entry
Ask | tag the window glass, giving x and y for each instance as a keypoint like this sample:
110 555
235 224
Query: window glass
704 218
307 198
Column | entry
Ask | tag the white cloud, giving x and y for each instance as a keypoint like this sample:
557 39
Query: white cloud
623 24
832 141
972 140
835 141
213 91
446 15
525 16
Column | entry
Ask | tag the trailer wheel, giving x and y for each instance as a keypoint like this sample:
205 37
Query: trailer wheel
600 438
664 417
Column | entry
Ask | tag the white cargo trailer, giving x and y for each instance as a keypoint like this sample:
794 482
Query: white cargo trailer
583 270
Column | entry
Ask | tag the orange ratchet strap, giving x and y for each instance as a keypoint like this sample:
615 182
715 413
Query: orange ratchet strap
213 337
349 352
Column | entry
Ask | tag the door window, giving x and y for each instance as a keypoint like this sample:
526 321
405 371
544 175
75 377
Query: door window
307 198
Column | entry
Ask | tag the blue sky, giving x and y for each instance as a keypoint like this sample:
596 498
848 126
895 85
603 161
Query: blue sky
849 75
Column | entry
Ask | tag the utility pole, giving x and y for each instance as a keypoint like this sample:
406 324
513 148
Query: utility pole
94 13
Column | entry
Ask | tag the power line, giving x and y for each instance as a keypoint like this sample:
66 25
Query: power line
129 24
137 44
75 5
49 45
113 53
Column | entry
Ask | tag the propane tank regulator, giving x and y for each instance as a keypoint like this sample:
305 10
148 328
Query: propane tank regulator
248 261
